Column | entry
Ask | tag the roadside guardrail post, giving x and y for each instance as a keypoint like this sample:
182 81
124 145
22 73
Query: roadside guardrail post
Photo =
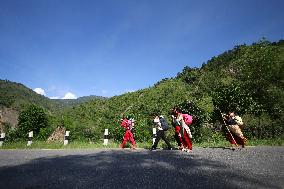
2 138
66 137
30 141
106 137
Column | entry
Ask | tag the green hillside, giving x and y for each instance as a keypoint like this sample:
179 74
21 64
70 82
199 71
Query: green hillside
16 95
74 102
247 79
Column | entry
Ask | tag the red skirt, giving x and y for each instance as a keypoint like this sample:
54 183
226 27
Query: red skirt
238 140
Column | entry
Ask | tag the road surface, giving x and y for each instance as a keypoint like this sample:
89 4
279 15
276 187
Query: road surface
252 167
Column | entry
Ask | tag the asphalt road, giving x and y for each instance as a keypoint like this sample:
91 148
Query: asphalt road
253 167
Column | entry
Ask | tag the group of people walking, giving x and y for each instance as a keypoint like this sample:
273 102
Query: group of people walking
183 135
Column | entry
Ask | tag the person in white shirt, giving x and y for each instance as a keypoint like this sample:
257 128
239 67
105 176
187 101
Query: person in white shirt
158 121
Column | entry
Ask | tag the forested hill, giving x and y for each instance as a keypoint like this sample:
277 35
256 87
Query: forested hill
15 95
247 79
80 100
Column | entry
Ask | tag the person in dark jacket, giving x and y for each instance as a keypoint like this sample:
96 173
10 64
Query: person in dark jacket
159 123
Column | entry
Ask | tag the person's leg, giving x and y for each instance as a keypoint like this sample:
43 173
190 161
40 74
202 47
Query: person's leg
124 140
240 134
131 138
230 139
240 139
187 140
178 136
163 136
157 139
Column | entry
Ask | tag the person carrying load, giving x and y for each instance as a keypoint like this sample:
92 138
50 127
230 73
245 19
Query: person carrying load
234 134
128 124
162 126
185 121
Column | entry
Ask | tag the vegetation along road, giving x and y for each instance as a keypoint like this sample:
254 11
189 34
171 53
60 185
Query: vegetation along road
252 167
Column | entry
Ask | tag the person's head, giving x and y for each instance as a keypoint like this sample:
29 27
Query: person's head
155 116
178 111
231 114
173 110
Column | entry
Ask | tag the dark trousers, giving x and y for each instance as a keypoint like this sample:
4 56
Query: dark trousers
161 134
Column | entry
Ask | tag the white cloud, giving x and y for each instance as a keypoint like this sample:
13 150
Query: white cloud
54 97
39 91
69 95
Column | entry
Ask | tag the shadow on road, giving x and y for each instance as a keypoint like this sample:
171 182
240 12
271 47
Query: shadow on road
127 169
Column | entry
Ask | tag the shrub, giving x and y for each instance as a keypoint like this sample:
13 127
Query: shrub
32 118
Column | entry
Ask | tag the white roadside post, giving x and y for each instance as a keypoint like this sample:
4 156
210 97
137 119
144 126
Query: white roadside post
106 137
2 138
66 137
30 138
154 134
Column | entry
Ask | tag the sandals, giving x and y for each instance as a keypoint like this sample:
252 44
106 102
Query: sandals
186 150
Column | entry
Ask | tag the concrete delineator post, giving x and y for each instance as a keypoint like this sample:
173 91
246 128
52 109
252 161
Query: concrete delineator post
106 137
30 141
66 137
2 138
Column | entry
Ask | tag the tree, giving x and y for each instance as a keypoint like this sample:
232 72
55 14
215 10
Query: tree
32 118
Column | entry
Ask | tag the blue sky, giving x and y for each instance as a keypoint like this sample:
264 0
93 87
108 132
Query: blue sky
74 48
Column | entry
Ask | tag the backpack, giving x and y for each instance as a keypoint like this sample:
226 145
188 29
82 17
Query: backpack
187 119
124 123
164 124
130 123
239 120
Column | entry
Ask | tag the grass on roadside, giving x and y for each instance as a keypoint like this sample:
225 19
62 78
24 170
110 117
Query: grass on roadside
71 145
146 145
